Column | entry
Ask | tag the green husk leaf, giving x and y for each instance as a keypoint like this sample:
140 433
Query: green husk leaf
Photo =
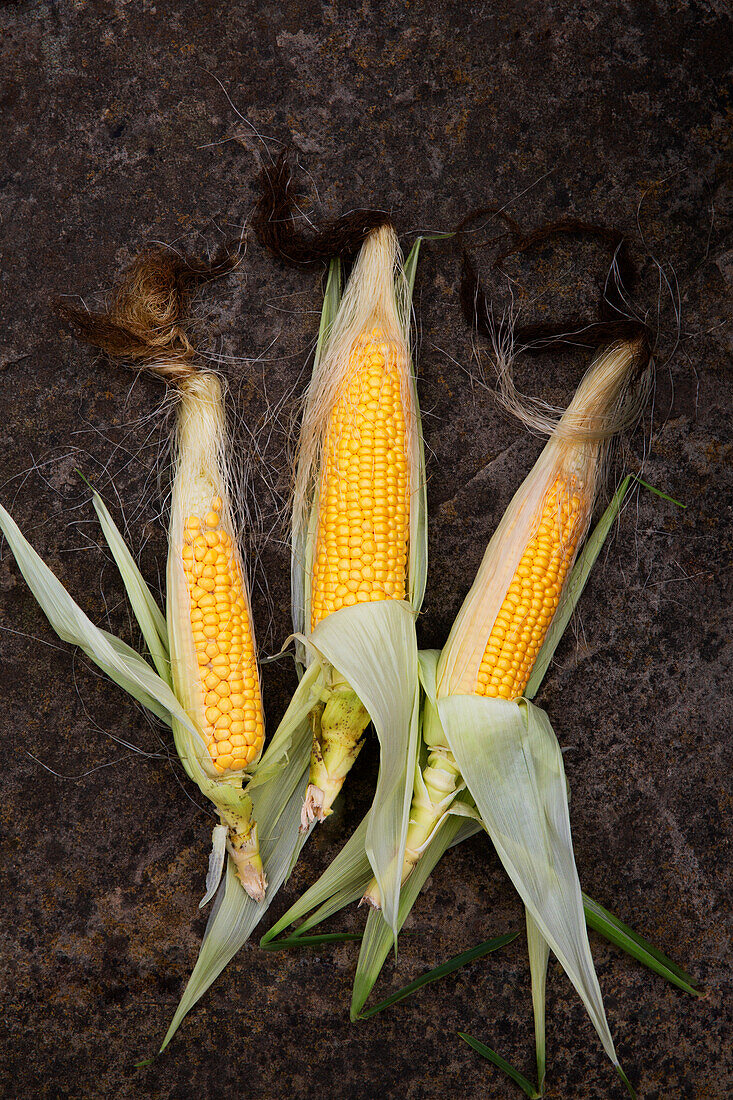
614 930
331 301
410 269
441 971
304 698
277 804
410 265
510 759
300 558
517 1077
149 616
539 954
378 935
312 941
419 515
373 646
343 881
121 663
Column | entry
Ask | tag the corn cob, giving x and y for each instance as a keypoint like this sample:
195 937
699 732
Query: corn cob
212 647
364 514
357 462
222 634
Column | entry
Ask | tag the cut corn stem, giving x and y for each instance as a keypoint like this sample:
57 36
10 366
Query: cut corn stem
243 847
337 733
435 791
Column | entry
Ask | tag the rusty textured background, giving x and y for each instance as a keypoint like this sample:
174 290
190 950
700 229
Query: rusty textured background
130 121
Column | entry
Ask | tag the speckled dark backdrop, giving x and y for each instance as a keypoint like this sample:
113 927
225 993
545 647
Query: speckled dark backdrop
126 122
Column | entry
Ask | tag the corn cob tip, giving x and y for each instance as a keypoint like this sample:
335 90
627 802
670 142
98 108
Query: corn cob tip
312 807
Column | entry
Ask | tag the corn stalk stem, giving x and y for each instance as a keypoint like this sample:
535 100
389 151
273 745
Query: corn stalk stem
338 725
430 806
243 847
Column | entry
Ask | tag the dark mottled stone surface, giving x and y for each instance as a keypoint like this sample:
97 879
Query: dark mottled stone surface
120 124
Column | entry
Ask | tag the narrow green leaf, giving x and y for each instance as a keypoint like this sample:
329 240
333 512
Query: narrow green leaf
410 265
410 268
629 1086
302 535
659 493
304 698
441 971
149 616
517 1077
635 945
145 1062
311 941
331 301
234 915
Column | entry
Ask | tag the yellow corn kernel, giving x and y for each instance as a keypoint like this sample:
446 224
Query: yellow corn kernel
365 489
532 597
224 643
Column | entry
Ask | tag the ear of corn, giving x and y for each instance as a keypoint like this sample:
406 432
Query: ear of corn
210 637
359 542
504 747
212 647
500 630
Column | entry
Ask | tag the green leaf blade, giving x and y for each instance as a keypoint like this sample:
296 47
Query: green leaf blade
615 931
439 972
311 941
497 1060
118 660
